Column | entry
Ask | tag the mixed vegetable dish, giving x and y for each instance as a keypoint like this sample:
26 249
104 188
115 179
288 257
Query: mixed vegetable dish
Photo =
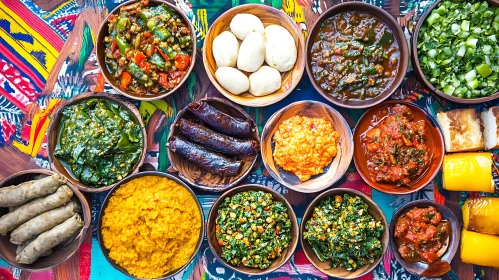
148 49
458 48
354 56
99 141
342 230
252 229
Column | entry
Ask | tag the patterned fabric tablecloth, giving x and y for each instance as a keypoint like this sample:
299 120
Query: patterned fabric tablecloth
47 55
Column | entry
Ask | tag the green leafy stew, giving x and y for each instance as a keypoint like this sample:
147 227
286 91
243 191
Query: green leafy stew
458 49
252 229
341 230
99 141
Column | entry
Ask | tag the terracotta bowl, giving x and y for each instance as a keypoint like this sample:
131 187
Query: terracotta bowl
399 37
447 214
325 267
333 172
268 16
54 130
101 47
217 249
197 177
419 72
435 143
62 252
106 202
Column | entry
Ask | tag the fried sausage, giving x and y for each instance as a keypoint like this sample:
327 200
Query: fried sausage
220 121
218 142
22 193
210 161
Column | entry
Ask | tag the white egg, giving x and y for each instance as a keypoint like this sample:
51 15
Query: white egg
251 53
264 81
280 49
225 49
232 80
243 24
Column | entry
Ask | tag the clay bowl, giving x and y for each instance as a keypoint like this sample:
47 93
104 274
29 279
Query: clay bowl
434 141
268 16
197 177
106 202
217 249
418 268
62 252
101 47
325 267
333 172
399 37
419 72
54 130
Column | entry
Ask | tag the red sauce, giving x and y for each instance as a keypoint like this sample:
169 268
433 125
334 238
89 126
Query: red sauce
395 147
422 235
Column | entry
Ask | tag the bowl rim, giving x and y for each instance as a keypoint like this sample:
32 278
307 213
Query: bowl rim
421 75
403 49
86 213
429 118
339 191
105 203
170 153
343 122
77 100
213 79
456 235
103 68
248 187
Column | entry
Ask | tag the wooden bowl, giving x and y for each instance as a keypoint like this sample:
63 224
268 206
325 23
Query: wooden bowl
325 267
268 16
398 33
419 72
101 47
435 143
197 177
61 253
217 249
106 202
333 172
447 214
53 137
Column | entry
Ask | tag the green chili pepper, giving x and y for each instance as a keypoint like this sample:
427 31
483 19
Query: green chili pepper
142 78
165 10
122 44
145 15
151 24
184 40
161 33
122 24
170 54
157 60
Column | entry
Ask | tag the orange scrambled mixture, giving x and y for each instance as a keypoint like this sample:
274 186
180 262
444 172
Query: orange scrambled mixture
304 146
151 226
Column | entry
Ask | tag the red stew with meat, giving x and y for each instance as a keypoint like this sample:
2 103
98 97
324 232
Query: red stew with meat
395 147
422 235
354 56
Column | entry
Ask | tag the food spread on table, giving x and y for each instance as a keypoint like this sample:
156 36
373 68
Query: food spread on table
148 49
457 48
354 56
422 235
41 216
342 231
151 226
273 45
395 146
252 229
305 146
99 141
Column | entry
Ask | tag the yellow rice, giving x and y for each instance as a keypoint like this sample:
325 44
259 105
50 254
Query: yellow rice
151 226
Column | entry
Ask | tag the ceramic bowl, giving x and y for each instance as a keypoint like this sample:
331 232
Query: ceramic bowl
62 252
333 172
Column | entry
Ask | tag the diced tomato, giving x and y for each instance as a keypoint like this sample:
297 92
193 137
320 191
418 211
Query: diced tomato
139 57
176 74
162 53
175 29
182 61
145 2
147 34
145 66
163 79
114 45
116 54
112 17
125 80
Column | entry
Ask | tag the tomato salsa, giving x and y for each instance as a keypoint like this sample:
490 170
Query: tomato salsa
354 56
395 147
422 235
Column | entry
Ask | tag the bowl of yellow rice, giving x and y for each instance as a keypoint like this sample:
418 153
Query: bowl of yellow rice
151 226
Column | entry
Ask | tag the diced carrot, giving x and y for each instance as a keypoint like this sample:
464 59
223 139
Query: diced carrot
125 80
139 57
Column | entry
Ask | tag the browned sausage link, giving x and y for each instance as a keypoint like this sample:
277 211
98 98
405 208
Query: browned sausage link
218 142
220 121
205 159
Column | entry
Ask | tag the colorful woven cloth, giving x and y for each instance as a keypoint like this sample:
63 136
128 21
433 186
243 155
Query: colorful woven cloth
47 55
